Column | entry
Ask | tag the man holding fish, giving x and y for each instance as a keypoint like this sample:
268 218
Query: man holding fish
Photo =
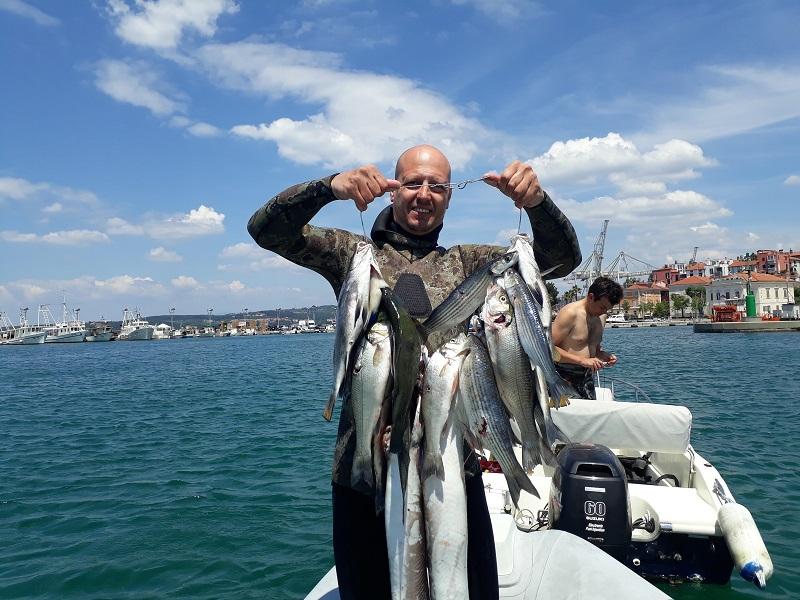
422 274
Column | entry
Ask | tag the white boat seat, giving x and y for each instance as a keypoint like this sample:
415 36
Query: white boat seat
631 425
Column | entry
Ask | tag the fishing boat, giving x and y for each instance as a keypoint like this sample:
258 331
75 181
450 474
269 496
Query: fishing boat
616 319
68 330
134 327
24 333
628 499
99 332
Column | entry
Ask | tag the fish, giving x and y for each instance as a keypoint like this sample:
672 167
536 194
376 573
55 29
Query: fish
529 270
445 501
414 580
369 386
487 425
512 370
533 338
439 388
406 352
359 299
467 297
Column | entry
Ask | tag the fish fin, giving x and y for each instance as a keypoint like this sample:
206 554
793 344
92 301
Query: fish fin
327 414
522 481
530 456
432 465
361 474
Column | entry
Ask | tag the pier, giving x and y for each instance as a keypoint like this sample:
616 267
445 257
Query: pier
740 326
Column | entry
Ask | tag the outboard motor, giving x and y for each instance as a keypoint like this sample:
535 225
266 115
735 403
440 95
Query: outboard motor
589 498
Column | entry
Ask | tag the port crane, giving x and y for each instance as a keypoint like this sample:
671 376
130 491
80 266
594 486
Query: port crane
622 267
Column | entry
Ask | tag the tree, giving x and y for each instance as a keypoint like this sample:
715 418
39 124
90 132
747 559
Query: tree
626 307
552 291
572 294
661 309
698 296
681 302
629 281
645 308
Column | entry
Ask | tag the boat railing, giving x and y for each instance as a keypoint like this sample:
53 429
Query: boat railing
639 395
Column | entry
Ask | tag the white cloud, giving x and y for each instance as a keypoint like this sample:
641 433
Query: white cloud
235 286
118 226
792 180
185 282
18 189
134 83
251 257
161 24
55 207
203 220
738 99
504 11
752 237
23 9
619 161
362 117
203 130
707 228
73 237
161 254
128 284
15 188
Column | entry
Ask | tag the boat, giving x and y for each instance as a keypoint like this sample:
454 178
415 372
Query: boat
162 331
628 499
616 319
24 333
134 327
99 332
68 330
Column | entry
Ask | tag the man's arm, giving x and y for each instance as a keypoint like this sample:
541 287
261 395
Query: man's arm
281 225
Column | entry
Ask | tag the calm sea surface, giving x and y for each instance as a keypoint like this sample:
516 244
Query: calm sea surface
200 468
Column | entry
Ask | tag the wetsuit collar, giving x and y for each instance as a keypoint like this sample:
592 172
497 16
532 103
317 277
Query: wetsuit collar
386 231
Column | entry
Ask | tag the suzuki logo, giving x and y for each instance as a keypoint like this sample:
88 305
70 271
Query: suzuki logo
592 508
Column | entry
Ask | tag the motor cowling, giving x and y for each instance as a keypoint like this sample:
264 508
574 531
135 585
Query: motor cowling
589 498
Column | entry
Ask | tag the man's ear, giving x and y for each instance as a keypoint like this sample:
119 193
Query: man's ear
449 195
391 196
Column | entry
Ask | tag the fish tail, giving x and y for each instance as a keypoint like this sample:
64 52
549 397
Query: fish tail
530 456
327 414
433 465
361 473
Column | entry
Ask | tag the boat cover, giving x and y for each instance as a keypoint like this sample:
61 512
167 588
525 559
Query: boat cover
630 425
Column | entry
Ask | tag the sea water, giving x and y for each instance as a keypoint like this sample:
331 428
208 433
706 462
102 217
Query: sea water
200 468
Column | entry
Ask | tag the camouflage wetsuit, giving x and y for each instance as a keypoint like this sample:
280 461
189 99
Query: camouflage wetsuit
282 226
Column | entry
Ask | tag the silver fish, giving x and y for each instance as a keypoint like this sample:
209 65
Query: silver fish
359 300
414 581
533 338
529 269
486 419
446 517
468 296
512 370
438 396
369 387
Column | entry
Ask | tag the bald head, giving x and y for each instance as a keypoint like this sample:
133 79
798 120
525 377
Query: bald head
422 155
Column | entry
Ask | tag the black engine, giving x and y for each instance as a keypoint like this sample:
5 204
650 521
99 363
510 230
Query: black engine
589 498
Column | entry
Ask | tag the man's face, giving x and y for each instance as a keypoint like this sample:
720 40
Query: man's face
598 307
420 209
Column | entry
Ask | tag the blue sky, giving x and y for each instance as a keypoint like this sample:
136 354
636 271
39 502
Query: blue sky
139 136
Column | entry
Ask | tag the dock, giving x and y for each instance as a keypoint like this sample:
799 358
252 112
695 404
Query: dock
740 326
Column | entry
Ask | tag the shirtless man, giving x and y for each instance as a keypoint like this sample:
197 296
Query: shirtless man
578 331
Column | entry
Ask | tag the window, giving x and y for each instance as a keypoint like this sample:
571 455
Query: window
737 294
785 293
767 292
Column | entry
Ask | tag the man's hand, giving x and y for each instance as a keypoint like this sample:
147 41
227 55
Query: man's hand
520 183
362 185
595 364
